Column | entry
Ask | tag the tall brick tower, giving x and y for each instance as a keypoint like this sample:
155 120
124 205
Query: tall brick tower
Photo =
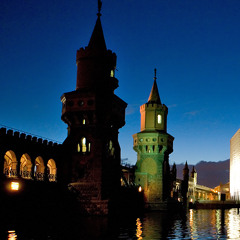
153 146
94 115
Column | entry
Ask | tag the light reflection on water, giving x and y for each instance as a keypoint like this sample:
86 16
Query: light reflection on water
195 224
12 235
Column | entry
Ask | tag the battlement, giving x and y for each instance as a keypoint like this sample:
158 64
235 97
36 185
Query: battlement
87 52
153 106
26 137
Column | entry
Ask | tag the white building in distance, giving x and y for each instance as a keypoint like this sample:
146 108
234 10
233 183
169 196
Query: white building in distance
235 166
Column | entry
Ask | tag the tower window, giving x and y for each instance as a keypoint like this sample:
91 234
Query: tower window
112 73
89 147
83 121
84 146
159 119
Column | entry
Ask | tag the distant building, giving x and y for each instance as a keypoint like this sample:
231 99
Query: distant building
235 166
223 189
190 191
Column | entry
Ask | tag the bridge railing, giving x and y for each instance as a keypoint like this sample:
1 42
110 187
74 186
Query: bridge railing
10 172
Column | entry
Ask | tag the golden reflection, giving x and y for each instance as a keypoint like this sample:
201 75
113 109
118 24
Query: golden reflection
139 229
218 220
192 223
233 224
12 235
191 217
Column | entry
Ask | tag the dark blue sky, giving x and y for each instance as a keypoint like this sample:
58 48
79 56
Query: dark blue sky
194 44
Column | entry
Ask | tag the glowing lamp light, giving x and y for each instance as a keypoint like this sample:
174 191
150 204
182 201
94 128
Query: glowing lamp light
14 186
139 189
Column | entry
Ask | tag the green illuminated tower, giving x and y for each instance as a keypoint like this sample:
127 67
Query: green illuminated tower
153 145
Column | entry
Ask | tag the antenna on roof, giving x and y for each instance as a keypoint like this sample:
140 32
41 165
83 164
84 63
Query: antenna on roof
99 8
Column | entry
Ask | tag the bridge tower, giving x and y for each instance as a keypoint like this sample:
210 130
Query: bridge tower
153 145
94 115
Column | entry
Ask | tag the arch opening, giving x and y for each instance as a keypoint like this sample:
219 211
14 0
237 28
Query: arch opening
26 166
52 170
10 164
39 169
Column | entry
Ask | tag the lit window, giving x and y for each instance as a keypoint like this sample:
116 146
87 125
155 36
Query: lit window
83 121
84 146
89 147
159 119
110 145
112 73
78 147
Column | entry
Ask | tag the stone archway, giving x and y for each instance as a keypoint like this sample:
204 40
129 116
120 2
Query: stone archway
25 166
39 169
10 164
52 170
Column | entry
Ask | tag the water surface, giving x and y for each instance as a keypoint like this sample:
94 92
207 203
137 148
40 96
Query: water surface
194 224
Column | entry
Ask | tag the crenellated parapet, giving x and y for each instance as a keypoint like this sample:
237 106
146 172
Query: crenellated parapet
28 157
4 132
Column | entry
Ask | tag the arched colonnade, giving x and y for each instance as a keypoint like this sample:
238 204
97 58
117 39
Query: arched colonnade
28 168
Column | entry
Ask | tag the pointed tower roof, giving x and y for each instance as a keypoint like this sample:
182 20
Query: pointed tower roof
194 170
97 41
154 95
186 165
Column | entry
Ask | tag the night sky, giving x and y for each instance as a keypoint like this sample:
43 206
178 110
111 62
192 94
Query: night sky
194 44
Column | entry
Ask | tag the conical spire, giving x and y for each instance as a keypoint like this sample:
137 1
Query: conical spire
186 165
154 95
194 170
97 41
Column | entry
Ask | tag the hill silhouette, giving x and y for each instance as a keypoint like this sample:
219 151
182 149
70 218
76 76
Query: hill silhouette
209 174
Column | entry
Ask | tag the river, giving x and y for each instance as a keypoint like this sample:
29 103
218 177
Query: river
194 224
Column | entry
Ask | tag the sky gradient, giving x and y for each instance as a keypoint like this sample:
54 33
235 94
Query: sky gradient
194 44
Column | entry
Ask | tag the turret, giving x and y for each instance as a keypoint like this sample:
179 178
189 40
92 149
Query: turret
95 64
194 175
154 113
94 115
153 145
184 186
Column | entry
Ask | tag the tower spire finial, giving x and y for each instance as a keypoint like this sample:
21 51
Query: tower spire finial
155 74
99 8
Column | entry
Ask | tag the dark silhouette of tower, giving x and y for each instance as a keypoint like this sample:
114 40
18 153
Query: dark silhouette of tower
184 186
94 115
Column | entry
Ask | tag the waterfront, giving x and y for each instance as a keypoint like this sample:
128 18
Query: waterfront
195 224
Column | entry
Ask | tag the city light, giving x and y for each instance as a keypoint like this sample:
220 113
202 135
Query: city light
15 186
139 189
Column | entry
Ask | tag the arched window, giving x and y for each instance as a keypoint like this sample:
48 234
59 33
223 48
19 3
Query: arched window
52 171
84 146
25 166
39 169
10 164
